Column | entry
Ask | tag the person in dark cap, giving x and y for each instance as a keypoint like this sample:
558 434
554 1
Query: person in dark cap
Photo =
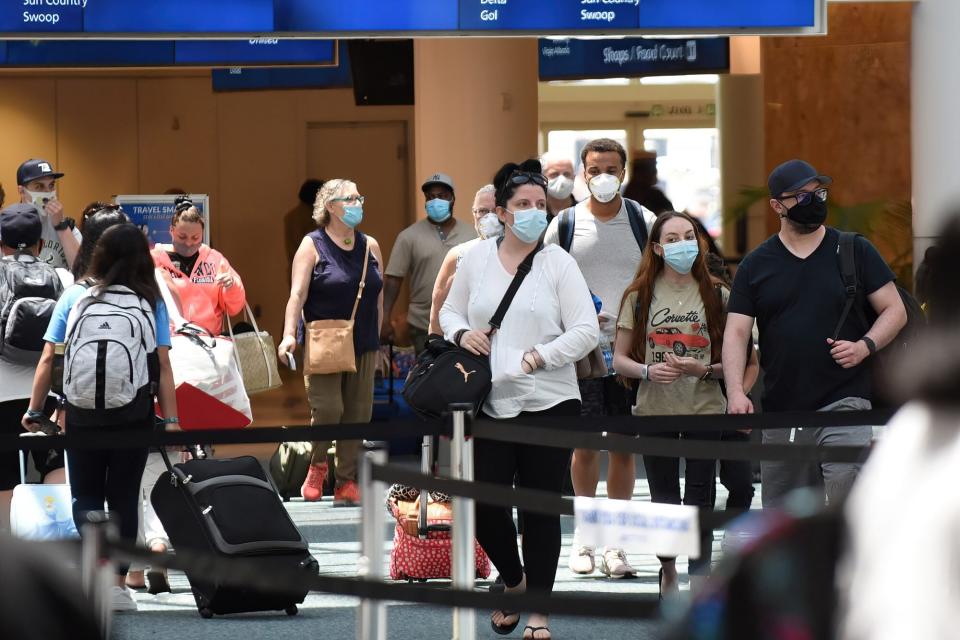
37 185
418 254
21 229
791 285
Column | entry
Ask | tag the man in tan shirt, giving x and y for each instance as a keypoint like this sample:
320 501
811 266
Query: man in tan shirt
418 253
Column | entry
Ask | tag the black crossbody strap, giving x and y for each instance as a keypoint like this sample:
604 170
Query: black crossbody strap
522 270
848 274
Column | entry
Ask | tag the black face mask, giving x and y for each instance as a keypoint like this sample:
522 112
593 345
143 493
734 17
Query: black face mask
809 216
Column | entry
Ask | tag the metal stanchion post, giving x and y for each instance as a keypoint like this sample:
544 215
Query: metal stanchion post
372 623
464 525
96 568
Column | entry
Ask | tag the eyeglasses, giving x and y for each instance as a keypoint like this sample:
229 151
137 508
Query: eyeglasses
350 200
806 197
482 212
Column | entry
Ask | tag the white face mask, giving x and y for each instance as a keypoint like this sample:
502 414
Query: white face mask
604 187
560 187
39 199
489 226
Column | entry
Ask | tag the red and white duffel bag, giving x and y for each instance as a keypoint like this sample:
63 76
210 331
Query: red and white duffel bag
416 558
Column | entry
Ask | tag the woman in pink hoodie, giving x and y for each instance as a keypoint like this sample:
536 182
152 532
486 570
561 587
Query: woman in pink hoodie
200 278
204 288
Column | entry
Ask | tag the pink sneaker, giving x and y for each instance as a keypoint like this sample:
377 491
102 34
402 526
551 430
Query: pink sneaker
346 495
312 489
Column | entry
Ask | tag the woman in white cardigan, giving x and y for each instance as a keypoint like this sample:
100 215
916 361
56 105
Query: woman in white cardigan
550 324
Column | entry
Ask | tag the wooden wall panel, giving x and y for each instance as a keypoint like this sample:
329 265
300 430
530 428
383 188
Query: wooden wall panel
842 102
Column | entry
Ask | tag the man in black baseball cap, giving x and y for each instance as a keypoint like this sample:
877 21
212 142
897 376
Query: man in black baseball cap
798 193
37 185
811 354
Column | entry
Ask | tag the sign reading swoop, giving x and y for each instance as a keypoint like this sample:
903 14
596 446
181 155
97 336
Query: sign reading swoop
638 527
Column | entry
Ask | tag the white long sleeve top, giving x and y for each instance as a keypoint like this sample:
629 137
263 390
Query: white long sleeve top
552 313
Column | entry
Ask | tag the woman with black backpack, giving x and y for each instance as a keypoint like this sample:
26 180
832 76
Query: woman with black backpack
114 331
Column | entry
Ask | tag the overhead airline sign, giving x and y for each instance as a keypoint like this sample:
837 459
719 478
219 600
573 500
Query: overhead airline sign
167 53
154 18
631 57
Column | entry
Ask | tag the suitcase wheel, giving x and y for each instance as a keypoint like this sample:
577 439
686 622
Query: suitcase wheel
292 610
205 613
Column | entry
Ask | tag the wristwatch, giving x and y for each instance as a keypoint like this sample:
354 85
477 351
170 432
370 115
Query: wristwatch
871 345
66 223
170 420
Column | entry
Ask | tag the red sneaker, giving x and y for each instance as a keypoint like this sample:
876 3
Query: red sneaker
312 489
346 495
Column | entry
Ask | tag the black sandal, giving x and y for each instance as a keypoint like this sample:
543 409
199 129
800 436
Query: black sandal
533 632
505 629
157 582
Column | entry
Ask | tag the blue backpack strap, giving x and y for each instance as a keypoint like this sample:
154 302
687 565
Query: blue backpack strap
565 223
637 224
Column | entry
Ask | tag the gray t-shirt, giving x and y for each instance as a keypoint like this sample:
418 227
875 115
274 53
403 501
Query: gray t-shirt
418 254
607 253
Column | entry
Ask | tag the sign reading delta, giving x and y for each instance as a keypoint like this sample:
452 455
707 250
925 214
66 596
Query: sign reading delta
264 18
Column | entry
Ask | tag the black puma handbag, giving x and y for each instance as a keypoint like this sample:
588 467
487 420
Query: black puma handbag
446 374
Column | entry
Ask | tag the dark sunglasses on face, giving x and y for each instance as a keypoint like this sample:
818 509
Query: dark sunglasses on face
806 197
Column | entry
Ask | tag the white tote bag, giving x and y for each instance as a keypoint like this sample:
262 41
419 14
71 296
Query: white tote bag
42 511
210 392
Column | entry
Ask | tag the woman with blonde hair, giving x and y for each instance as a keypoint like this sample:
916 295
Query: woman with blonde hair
328 269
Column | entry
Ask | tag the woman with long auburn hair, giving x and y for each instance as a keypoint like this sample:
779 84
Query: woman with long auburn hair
675 357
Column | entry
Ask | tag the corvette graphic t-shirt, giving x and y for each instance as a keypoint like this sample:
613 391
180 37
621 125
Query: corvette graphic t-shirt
676 324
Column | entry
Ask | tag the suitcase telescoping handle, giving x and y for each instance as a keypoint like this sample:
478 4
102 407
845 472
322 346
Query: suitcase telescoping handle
47 428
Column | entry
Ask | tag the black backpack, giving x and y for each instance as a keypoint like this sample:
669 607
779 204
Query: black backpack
857 301
29 289
637 224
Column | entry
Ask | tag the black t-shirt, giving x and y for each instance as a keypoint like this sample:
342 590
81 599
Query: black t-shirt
797 304
185 265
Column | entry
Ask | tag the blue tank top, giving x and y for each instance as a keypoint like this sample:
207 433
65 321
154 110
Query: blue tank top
333 289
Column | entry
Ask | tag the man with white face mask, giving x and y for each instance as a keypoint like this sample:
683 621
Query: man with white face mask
37 185
488 225
605 234
558 170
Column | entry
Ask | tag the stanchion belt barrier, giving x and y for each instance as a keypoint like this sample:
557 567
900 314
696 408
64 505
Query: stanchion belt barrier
646 425
589 434
672 448
240 572
532 500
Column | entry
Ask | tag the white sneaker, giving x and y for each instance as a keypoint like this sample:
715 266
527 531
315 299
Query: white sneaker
581 557
121 599
613 563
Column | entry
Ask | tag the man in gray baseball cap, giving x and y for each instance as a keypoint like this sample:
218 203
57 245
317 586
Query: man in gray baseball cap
418 253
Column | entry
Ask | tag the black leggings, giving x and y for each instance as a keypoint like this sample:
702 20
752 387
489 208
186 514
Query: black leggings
663 475
112 475
535 467
736 475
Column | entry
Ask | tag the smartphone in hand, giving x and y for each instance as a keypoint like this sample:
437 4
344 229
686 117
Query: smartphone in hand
291 362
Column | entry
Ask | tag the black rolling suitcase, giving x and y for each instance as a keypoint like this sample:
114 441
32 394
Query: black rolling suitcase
229 508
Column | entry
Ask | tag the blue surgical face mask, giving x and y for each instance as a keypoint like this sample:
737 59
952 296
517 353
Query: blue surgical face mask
352 215
681 255
529 225
438 209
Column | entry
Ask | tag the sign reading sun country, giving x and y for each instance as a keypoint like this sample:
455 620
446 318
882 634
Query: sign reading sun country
572 59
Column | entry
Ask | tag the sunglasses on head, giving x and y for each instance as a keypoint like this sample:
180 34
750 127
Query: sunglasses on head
525 177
